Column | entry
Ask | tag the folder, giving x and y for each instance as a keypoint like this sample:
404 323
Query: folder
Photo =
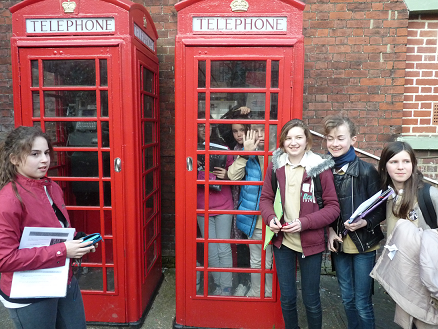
278 209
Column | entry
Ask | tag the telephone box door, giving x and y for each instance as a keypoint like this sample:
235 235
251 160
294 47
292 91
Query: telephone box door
220 81
71 94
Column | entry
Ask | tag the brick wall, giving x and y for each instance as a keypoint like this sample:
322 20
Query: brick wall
355 56
421 84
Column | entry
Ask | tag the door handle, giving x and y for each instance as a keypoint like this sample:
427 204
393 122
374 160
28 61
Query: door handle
117 165
189 164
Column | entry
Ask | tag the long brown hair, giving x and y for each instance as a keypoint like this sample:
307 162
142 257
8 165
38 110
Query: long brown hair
411 185
292 124
18 144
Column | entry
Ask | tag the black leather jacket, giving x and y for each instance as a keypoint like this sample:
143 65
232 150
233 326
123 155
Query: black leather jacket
360 182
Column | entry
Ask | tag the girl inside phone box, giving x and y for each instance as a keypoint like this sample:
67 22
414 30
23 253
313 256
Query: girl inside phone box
355 255
412 227
29 198
300 231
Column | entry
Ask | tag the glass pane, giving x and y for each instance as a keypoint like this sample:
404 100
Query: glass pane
148 106
238 74
106 164
148 81
272 137
108 221
35 73
150 203
151 255
150 231
105 133
110 279
148 136
107 194
274 73
73 133
104 103
72 103
91 278
36 103
201 74
201 105
87 221
75 72
109 247
273 114
148 158
147 213
83 194
229 105
103 72
84 164
149 182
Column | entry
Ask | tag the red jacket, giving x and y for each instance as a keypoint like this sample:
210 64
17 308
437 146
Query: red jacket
37 212
313 220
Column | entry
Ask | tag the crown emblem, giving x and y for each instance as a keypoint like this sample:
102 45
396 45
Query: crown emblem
69 6
239 6
145 22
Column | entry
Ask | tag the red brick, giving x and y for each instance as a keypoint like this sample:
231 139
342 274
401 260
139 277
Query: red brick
417 25
410 122
421 114
426 129
426 50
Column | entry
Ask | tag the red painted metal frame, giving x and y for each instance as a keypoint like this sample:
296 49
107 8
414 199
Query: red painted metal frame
215 311
126 55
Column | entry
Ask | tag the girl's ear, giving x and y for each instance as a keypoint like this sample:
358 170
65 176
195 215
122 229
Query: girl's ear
14 160
353 140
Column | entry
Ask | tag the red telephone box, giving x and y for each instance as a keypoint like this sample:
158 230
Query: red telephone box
86 72
229 55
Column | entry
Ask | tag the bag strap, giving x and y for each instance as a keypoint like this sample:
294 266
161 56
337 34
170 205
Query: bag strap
318 191
274 181
426 206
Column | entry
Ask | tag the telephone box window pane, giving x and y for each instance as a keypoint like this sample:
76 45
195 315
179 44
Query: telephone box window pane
148 132
103 72
70 103
75 72
274 73
91 278
106 164
201 105
150 203
149 182
59 164
36 103
107 194
148 158
108 222
81 193
147 213
72 133
238 74
148 103
84 164
272 137
35 74
104 125
109 255
148 81
150 231
110 279
225 105
104 103
273 114
201 74
151 255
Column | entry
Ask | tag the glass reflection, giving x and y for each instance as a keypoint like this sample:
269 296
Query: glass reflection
36 109
238 74
148 80
273 114
110 279
69 103
201 74
104 103
35 73
91 278
148 104
274 73
103 67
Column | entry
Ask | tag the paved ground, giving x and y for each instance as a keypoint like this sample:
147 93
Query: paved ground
162 312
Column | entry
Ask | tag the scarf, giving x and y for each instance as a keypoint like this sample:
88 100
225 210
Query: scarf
345 158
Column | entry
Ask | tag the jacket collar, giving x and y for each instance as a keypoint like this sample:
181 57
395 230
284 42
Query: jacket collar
314 164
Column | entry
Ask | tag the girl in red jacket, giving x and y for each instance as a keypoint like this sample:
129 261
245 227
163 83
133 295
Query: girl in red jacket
300 231
31 199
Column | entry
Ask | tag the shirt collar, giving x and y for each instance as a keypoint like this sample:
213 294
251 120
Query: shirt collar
343 169
302 162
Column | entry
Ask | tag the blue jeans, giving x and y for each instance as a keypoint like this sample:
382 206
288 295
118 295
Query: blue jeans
59 313
353 273
310 268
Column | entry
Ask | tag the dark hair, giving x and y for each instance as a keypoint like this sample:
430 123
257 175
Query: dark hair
411 185
334 121
225 130
292 124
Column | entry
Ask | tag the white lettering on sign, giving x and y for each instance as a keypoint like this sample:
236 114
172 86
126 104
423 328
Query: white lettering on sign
239 24
69 25
143 37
